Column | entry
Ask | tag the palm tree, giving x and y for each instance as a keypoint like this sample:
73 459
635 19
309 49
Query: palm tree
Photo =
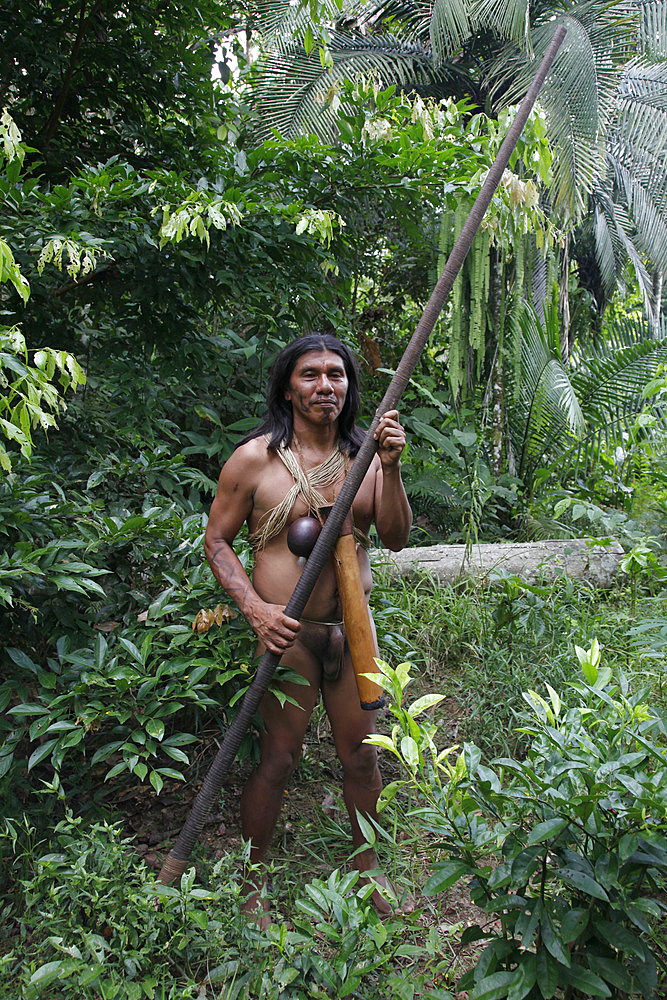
605 99
565 415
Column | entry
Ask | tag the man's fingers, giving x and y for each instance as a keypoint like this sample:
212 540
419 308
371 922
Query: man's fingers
289 629
389 423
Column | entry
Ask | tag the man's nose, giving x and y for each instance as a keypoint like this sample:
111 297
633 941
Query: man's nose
324 385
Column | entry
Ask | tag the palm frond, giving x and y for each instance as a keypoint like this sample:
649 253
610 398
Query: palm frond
610 380
509 20
645 82
547 409
620 231
610 270
449 27
653 30
579 91
646 211
630 200
281 22
292 91
568 416
569 99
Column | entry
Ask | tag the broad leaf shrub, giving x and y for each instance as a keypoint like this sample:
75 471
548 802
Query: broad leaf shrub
103 673
564 850
90 921
86 919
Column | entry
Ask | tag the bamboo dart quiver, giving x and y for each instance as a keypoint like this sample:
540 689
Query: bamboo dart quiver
356 616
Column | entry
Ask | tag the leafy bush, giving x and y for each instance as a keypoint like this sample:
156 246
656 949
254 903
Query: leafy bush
105 664
89 919
85 917
565 849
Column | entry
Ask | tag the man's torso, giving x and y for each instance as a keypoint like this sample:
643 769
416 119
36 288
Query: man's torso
277 570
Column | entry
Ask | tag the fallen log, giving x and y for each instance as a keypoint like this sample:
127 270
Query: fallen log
578 558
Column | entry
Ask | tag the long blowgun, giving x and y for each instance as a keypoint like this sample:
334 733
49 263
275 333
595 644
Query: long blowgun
176 862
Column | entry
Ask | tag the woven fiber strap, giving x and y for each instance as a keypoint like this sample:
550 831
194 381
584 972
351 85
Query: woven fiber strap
306 484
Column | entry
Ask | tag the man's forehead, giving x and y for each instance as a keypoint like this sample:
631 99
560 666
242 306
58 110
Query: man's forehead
319 359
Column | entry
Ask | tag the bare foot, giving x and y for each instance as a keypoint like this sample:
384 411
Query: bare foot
394 904
386 902
256 905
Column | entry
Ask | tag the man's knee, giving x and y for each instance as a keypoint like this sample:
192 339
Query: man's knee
278 762
360 762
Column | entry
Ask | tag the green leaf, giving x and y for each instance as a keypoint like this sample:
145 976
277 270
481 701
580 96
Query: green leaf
40 753
611 971
156 781
116 769
585 981
526 975
95 478
154 728
309 908
388 794
199 917
367 829
445 874
30 709
410 752
466 438
132 649
527 923
546 977
573 924
494 987
171 772
22 659
435 437
619 937
584 883
421 704
46 973
547 830
553 942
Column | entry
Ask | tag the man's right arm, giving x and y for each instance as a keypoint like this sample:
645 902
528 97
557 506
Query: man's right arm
231 507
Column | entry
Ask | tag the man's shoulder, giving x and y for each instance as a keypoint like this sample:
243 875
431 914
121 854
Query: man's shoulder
255 449
251 456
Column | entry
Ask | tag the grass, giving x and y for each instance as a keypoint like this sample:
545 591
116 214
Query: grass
480 648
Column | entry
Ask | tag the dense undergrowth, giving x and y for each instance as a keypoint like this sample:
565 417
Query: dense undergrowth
85 916
114 680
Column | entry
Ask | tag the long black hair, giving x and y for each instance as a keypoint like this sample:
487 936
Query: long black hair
278 422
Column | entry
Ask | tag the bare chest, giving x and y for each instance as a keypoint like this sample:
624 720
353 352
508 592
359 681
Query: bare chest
278 481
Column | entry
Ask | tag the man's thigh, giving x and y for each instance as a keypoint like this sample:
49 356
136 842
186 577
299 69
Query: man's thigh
287 719
350 723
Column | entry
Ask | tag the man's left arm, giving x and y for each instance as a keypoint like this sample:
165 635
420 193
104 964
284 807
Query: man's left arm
393 516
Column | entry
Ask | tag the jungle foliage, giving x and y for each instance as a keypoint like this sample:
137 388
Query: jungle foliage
154 256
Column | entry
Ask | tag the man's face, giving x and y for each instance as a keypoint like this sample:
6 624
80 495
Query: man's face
318 387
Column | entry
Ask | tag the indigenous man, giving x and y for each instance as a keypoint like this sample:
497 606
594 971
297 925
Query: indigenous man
296 460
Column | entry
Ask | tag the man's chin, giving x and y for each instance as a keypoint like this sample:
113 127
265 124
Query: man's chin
327 413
